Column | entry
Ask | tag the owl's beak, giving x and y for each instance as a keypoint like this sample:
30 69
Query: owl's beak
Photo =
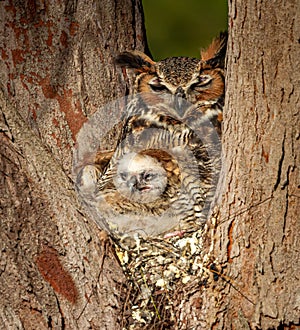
132 183
179 101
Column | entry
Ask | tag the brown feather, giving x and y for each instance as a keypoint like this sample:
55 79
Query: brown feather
214 48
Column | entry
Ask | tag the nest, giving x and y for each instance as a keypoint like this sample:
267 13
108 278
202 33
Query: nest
161 273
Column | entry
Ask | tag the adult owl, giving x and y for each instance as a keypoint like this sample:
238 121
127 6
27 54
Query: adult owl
160 177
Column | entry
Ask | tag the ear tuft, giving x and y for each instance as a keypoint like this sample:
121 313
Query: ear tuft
136 60
214 55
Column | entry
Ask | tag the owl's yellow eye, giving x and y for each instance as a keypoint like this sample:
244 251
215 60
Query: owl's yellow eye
156 86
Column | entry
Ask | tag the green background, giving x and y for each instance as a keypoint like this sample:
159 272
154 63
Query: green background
183 27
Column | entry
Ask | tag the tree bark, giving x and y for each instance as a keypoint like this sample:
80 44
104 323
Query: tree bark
256 238
58 271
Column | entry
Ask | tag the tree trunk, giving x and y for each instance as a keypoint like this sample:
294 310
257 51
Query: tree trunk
256 238
58 271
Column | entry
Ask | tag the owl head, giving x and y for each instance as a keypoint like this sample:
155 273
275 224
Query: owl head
140 178
195 80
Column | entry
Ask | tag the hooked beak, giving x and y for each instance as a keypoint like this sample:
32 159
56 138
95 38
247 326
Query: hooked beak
132 183
135 184
180 101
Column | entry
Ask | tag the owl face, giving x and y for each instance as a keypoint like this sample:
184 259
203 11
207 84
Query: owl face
182 77
140 178
195 80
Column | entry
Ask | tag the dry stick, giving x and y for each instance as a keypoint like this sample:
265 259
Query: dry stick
227 279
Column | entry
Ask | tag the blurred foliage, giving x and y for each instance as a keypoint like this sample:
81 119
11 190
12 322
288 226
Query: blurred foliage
183 27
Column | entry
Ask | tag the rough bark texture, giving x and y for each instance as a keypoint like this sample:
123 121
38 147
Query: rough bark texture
57 270
257 234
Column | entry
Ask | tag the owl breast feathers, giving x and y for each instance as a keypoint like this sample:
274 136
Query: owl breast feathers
162 174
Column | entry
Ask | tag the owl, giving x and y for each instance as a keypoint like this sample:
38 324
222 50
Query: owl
140 178
161 176
199 82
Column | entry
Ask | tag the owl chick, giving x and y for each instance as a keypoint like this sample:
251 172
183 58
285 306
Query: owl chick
140 178
133 193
